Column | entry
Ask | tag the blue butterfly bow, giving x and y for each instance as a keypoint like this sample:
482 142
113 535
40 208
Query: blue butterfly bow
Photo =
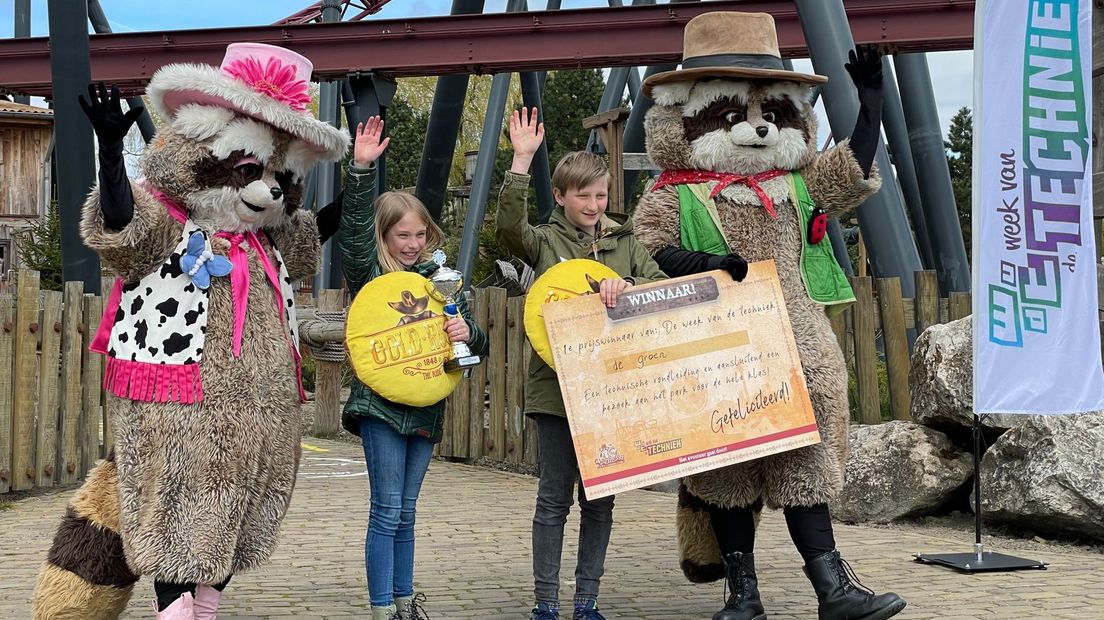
200 264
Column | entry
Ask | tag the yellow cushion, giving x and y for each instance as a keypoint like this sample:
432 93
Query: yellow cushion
562 281
396 340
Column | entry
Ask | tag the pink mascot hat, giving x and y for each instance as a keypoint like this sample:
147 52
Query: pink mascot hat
265 82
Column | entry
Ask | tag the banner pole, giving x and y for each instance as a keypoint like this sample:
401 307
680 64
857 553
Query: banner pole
979 548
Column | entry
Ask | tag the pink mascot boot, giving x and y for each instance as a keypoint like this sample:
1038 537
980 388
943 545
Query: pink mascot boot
181 609
206 602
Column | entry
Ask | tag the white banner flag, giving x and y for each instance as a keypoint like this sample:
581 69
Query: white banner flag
1037 338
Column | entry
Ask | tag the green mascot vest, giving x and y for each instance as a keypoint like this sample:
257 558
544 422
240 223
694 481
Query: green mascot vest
700 230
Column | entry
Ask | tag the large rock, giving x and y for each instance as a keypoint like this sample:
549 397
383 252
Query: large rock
1048 475
900 469
941 381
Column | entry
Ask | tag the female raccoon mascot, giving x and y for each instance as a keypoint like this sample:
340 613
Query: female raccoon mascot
736 136
199 333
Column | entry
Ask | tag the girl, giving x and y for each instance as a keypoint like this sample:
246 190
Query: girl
394 234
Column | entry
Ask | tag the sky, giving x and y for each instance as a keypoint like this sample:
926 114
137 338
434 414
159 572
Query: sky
952 72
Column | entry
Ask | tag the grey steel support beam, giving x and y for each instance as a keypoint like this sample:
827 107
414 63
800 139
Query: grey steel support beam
484 169
484 164
542 76
74 153
445 116
933 175
615 88
882 217
633 141
893 119
101 26
327 175
611 98
634 84
22 31
835 231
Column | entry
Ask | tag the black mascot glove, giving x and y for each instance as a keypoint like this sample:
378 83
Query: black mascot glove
107 117
111 126
865 68
328 218
676 263
734 264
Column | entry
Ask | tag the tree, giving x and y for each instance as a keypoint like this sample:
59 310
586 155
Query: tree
569 97
407 128
959 146
40 248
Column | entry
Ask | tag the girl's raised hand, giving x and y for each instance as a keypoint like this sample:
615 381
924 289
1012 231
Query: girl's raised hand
368 146
526 134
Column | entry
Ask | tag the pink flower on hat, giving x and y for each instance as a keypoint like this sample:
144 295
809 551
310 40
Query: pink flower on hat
274 79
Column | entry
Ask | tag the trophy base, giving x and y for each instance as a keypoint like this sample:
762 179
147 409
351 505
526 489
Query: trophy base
462 363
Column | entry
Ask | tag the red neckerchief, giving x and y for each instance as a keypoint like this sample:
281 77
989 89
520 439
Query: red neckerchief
724 179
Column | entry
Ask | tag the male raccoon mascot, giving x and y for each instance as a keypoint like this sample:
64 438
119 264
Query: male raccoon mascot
199 333
735 134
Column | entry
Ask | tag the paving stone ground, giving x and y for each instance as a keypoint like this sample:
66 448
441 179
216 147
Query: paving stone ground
473 558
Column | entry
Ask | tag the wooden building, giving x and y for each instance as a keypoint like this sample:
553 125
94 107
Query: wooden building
25 136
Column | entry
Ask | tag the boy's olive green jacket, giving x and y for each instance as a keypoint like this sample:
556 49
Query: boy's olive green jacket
548 244
360 263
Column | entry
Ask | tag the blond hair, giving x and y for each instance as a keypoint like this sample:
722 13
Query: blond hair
578 170
390 208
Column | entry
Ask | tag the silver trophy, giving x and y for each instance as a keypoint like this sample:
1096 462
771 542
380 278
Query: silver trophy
445 284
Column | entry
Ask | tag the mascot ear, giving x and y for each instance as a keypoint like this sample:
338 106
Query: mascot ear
675 93
200 122
300 158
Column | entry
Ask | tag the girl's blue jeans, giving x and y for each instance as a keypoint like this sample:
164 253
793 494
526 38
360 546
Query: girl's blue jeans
396 467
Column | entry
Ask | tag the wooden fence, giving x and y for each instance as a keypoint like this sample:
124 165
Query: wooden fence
53 420
485 416
52 417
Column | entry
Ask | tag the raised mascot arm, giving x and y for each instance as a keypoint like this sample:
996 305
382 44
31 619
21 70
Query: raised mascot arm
111 125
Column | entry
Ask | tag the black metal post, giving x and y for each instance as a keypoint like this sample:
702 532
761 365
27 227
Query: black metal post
100 24
74 154
22 31
893 119
326 177
445 116
373 96
933 174
882 217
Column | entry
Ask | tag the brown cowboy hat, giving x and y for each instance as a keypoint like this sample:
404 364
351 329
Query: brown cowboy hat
728 44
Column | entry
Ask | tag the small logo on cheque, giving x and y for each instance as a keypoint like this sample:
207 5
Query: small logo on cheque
608 455
653 447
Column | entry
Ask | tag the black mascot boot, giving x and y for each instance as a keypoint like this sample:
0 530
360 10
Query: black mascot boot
841 595
743 589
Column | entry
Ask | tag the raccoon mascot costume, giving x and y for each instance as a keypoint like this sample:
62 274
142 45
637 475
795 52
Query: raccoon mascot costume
199 334
735 134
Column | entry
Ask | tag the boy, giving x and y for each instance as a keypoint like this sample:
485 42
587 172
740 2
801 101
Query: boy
578 228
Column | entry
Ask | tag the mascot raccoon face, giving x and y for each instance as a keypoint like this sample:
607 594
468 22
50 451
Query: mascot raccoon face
739 126
230 172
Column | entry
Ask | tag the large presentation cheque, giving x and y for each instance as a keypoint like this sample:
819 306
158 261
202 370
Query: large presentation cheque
683 376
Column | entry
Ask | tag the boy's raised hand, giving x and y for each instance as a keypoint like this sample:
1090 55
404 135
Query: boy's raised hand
526 135
368 146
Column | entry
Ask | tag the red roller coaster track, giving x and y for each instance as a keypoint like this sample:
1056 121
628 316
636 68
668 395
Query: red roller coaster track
487 43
